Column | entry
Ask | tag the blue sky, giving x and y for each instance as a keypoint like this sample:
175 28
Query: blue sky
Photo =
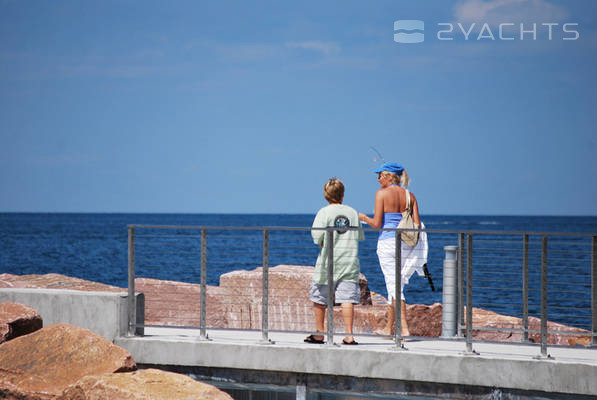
248 107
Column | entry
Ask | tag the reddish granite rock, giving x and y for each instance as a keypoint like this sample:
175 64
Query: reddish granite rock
489 319
580 341
54 281
141 385
287 283
236 303
17 320
289 304
424 320
178 303
42 364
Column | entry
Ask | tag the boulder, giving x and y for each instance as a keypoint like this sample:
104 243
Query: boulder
42 364
17 320
236 303
178 303
142 385
54 281
424 320
490 319
286 283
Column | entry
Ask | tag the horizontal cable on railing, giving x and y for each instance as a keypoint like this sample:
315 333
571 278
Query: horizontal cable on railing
502 288
580 308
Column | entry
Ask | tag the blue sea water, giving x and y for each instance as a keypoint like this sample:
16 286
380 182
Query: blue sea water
94 247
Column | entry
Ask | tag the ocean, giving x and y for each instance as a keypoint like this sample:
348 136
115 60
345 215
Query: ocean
93 246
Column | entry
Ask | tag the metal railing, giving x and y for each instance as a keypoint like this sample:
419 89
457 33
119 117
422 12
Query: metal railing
519 274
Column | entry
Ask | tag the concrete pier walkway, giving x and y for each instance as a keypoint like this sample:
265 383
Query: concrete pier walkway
436 368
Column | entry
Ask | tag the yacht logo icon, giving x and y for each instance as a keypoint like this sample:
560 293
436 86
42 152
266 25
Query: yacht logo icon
409 31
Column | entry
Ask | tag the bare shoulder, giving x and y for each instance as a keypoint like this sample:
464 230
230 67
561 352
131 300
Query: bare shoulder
383 193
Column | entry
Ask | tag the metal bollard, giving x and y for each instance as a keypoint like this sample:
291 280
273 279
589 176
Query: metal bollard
131 300
450 293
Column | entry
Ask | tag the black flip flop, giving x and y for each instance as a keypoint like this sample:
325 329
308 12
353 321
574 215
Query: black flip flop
311 339
349 343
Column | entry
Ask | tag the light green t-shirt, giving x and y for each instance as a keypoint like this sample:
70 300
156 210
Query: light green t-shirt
346 243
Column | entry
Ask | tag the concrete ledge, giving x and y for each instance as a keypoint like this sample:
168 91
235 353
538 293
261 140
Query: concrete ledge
104 313
438 362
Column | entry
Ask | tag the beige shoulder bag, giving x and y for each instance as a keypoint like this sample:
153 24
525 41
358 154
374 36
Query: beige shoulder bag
409 237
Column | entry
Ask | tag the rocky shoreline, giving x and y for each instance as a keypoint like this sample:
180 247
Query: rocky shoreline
65 362
237 303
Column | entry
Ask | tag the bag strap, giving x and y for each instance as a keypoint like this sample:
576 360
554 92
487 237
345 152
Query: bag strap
407 200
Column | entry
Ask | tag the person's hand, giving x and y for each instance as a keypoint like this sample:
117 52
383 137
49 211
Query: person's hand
362 217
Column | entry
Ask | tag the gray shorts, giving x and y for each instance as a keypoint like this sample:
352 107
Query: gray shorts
346 292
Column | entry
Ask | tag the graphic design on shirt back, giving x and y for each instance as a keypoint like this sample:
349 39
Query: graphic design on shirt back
341 222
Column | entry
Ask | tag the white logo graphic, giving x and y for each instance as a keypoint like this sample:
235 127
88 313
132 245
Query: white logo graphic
403 31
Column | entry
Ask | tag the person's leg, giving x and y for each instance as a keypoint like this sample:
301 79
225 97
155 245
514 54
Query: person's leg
387 262
405 331
319 310
348 316
389 328
318 296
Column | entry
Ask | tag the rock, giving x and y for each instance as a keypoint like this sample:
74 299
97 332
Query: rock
286 283
490 319
580 341
289 305
54 281
424 320
17 320
142 385
42 364
236 303
178 303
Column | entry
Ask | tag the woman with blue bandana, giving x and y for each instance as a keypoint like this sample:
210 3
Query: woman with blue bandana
390 202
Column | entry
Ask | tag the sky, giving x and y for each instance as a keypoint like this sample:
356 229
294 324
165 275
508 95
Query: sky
249 107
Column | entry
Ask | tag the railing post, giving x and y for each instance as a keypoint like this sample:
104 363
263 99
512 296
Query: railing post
594 291
203 298
450 293
525 288
398 292
265 289
544 298
331 291
460 284
469 295
131 301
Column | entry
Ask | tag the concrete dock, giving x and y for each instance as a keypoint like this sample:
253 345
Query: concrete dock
435 368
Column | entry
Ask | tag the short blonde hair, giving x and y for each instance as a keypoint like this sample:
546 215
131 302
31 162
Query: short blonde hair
333 190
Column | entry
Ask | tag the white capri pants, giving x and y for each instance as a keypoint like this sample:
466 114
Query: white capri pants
413 259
